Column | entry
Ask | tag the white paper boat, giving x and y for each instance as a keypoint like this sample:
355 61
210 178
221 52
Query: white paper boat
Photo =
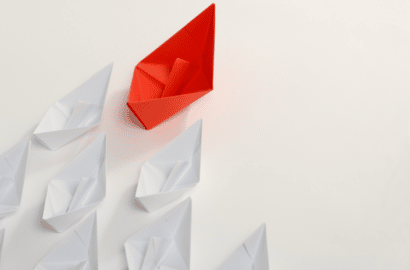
78 187
251 255
79 251
165 244
76 113
172 171
12 173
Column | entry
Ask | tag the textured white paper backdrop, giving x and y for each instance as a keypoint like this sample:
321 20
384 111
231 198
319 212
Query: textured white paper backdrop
306 130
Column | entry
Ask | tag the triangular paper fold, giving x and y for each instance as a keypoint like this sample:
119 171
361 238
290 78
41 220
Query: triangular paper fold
78 187
251 255
176 74
173 170
12 173
165 244
76 113
78 251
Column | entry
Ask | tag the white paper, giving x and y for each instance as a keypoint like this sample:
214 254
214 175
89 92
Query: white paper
75 113
79 251
78 187
12 173
251 255
165 244
173 170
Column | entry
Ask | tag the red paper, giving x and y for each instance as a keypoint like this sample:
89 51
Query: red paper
176 74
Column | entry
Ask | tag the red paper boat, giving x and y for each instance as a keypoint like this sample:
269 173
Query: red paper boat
176 74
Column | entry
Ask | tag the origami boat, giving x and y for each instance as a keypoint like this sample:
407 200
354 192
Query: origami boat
76 113
176 74
252 254
172 171
13 165
79 251
77 188
165 244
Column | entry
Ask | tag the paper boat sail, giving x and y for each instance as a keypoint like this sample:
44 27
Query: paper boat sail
165 244
78 187
76 113
12 173
176 74
79 251
252 254
172 171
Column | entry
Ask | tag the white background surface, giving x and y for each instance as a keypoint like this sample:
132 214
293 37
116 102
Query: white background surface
306 129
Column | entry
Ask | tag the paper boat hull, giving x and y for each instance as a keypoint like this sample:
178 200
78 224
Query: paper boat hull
148 112
56 139
156 201
63 222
